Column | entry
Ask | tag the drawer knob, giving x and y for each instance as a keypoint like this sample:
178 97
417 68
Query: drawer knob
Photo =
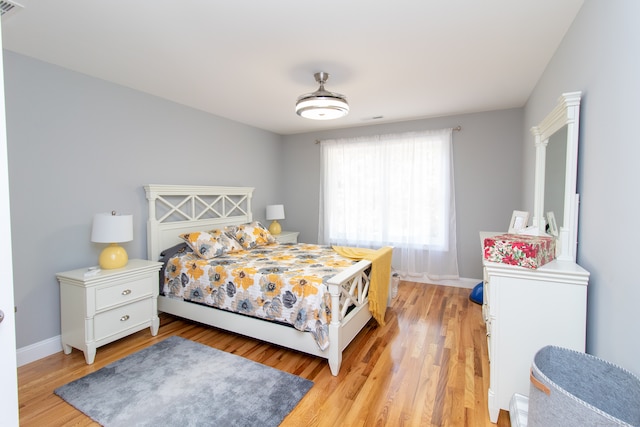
126 292
124 318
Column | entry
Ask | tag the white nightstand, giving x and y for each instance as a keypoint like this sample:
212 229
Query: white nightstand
287 237
97 309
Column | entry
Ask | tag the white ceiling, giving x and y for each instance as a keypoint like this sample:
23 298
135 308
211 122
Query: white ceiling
249 60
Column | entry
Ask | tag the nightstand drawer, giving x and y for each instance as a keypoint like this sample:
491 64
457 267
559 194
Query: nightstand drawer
113 295
122 318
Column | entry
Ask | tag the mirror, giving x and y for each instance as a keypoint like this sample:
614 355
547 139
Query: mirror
556 139
554 175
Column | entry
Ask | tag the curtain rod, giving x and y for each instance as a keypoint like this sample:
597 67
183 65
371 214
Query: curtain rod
457 128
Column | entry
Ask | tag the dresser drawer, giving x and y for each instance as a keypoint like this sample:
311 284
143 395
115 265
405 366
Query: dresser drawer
113 295
122 318
487 310
489 340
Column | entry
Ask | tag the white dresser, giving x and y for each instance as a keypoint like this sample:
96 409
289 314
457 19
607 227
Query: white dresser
525 310
97 309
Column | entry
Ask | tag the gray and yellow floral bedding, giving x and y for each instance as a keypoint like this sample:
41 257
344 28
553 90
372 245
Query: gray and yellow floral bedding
282 283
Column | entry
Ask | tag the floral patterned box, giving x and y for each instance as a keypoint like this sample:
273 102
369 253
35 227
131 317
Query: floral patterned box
519 249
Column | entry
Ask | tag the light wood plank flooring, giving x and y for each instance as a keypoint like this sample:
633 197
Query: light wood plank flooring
426 367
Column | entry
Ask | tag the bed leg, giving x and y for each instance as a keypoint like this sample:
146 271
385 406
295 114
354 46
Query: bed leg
335 343
335 352
334 363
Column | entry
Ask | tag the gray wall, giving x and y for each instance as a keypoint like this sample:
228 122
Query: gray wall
487 165
78 146
598 56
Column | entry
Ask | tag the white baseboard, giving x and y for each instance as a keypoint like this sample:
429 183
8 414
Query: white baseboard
462 282
39 350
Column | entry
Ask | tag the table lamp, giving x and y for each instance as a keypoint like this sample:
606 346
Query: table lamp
113 229
275 212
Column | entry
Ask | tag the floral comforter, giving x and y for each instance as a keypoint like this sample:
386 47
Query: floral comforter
278 282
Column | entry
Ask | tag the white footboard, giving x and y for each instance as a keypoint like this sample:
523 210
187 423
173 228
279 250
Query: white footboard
342 329
349 293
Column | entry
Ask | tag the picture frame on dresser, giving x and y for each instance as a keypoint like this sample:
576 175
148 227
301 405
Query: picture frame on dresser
553 225
519 221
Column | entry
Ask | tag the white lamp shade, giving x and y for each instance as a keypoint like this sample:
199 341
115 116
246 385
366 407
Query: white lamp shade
111 228
275 212
320 108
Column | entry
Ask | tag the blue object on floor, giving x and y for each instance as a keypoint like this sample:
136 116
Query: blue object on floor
476 294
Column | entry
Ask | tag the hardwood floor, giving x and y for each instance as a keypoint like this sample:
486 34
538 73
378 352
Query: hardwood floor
427 366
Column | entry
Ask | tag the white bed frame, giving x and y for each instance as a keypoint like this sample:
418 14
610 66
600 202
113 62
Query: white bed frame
176 209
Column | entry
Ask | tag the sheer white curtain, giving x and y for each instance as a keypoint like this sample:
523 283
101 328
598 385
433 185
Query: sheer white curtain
394 190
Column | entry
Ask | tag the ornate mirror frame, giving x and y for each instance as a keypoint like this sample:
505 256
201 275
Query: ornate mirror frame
565 114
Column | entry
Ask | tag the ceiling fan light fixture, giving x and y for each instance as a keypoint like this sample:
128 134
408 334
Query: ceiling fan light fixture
321 104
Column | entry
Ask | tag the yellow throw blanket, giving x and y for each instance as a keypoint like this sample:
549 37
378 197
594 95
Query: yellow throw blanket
380 275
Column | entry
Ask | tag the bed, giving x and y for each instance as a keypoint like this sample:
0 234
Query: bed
176 210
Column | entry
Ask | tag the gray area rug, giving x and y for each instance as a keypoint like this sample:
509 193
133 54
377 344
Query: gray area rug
178 382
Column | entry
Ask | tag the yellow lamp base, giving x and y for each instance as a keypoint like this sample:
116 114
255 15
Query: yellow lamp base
113 256
275 228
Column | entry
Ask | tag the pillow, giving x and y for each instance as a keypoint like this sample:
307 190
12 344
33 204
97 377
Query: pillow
165 256
230 244
168 253
210 244
251 235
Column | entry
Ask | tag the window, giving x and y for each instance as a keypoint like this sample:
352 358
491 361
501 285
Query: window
391 190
